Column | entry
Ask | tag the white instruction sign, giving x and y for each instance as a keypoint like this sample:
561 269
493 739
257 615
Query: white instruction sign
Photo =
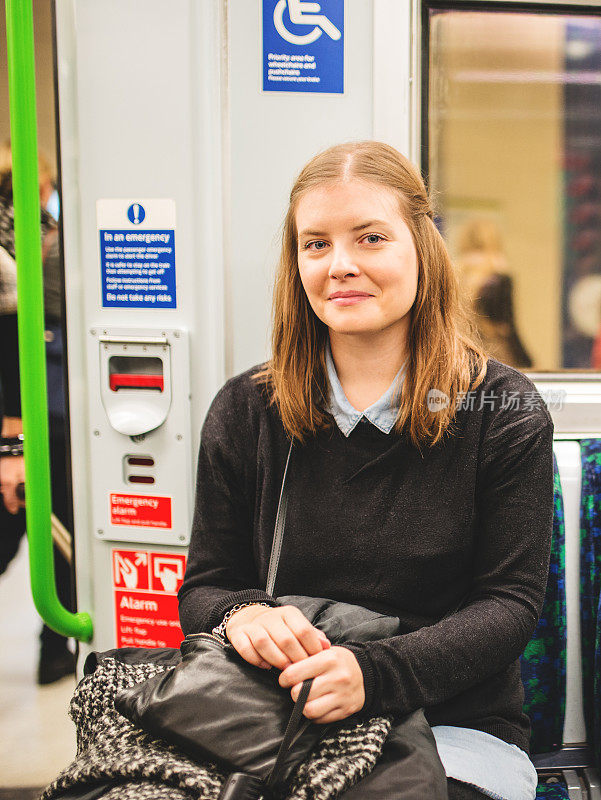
137 252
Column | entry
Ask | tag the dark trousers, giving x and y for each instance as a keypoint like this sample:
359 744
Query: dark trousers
12 529
463 791
410 768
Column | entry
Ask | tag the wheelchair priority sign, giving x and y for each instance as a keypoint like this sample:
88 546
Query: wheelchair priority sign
303 46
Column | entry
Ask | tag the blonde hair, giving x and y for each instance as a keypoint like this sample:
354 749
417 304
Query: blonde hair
444 351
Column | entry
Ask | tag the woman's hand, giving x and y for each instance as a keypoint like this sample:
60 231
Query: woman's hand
12 473
274 637
337 690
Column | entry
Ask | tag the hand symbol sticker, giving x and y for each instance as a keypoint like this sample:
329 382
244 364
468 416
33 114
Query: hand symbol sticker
168 579
167 572
126 569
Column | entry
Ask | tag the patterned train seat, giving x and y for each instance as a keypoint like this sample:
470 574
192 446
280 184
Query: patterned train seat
590 591
554 790
543 663
544 660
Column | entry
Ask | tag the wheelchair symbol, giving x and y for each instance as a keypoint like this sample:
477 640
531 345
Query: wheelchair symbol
303 13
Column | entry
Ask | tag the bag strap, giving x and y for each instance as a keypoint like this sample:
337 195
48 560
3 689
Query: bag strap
278 534
295 723
292 728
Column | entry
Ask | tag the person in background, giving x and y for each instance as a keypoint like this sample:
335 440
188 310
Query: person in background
489 287
56 659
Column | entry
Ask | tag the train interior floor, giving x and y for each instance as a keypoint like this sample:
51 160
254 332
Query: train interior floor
37 737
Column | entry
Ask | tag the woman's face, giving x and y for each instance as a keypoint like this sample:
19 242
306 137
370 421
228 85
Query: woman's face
356 258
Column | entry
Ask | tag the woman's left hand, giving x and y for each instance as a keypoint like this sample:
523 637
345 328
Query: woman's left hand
337 690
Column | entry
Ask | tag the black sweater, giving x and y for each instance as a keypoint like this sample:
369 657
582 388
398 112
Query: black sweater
372 521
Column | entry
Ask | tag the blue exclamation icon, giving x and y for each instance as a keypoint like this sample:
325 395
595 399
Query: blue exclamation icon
136 213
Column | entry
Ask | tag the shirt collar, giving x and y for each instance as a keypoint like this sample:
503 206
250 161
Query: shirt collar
382 413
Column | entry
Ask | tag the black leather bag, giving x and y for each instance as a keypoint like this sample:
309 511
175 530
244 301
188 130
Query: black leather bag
216 706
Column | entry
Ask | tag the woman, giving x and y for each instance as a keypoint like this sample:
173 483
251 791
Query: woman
484 279
410 483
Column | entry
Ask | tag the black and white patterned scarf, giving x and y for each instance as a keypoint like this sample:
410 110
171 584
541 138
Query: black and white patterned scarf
111 750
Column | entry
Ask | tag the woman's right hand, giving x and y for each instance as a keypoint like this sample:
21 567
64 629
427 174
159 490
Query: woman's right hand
274 637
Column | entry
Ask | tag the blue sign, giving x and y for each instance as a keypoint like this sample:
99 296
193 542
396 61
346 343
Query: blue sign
136 213
138 268
303 46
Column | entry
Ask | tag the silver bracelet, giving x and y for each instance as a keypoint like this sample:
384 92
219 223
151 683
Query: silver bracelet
220 629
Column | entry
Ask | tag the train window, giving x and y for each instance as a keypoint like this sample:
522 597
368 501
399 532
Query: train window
512 148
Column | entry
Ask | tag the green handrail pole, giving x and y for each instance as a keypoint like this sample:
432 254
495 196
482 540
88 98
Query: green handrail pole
30 308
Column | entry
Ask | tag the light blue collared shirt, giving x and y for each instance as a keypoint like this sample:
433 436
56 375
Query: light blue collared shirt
500 770
382 413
